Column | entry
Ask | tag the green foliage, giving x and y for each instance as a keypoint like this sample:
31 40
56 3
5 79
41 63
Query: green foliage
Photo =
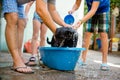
85 8
0 5
114 3
85 12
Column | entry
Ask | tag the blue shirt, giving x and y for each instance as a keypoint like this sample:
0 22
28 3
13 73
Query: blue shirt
104 5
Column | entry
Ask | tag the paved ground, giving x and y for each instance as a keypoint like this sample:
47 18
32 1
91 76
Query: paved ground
90 72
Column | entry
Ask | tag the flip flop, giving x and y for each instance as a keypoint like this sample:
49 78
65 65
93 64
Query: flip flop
104 67
31 62
17 70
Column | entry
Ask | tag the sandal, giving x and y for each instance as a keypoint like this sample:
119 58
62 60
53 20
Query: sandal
104 67
17 69
81 63
31 62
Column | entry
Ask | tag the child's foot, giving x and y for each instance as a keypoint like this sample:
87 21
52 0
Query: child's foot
81 63
104 67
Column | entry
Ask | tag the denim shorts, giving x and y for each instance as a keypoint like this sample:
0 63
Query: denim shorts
10 6
99 23
37 17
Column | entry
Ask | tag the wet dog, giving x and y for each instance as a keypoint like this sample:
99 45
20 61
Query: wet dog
64 37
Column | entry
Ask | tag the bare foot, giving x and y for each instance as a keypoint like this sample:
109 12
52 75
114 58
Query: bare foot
25 70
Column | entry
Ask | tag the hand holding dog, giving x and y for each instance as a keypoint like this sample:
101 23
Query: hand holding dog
67 25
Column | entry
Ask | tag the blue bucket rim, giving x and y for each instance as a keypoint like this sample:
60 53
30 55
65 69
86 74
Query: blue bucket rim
61 48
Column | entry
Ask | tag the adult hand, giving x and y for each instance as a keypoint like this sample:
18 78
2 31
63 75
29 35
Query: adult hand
67 25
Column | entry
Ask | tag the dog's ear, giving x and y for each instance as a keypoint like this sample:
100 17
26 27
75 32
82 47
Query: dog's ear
57 31
60 32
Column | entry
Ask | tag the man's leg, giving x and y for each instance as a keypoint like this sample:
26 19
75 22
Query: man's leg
86 44
36 29
11 39
43 31
20 29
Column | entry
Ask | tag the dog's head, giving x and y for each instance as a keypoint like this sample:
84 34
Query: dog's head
59 37
69 33
62 35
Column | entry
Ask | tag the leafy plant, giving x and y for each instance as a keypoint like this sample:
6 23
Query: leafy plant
114 3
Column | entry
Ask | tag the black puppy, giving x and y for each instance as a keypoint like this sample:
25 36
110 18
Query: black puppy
64 37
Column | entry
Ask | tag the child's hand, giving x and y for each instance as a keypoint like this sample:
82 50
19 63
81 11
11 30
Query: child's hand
77 25
71 12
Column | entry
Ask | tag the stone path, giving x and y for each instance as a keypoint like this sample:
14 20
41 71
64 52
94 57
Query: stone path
90 72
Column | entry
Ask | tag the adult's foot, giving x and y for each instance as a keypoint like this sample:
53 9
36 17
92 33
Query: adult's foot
31 62
25 70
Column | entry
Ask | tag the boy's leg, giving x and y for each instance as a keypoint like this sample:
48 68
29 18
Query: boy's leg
86 44
103 29
91 23
104 42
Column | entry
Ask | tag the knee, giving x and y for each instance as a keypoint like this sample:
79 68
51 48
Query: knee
87 36
11 18
22 23
103 35
35 36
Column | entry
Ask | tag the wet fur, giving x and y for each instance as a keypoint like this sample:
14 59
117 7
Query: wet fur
66 34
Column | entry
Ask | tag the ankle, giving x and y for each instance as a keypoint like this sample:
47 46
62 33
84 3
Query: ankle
34 55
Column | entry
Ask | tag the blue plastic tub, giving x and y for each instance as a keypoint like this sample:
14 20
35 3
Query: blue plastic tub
60 58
